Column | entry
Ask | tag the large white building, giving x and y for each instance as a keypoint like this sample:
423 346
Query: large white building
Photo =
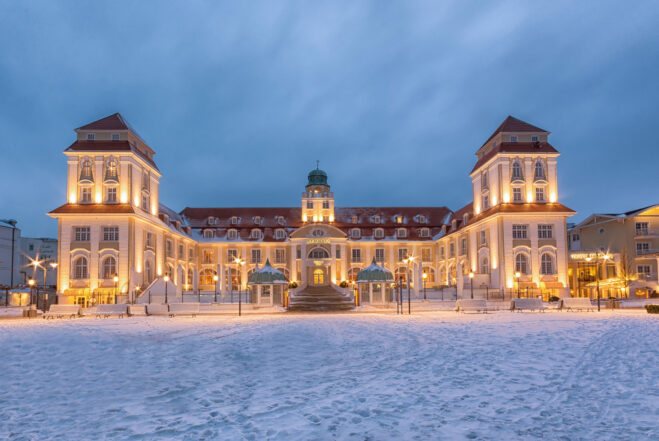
10 252
512 237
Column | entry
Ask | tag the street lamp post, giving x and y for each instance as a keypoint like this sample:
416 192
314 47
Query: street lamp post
239 262
606 257
471 283
425 278
517 276
31 283
116 287
166 279
408 261
215 280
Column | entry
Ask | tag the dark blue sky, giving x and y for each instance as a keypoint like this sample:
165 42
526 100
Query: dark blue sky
239 99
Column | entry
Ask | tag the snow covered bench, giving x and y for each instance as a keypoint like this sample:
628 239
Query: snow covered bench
106 311
577 303
471 305
60 311
136 310
157 309
527 305
184 309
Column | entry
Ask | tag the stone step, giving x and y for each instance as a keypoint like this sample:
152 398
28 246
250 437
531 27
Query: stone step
320 298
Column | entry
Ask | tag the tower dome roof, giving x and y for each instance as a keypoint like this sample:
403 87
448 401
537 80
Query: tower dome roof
317 177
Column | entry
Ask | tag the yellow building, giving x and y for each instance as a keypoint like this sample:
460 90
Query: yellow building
116 237
625 249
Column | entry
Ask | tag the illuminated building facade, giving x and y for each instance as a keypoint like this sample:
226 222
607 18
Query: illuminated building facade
114 225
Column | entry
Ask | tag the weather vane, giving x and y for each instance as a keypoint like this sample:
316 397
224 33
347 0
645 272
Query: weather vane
317 164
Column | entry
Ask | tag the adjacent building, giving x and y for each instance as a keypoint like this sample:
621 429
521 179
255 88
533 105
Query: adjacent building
10 244
39 258
619 252
512 236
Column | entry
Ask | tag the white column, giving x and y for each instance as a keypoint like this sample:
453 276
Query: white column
333 277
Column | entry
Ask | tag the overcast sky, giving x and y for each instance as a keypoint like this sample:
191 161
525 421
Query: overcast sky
240 99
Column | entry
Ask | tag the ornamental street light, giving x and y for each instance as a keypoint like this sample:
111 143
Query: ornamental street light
166 279
425 277
517 276
408 261
31 283
471 283
116 287
239 263
215 280
606 257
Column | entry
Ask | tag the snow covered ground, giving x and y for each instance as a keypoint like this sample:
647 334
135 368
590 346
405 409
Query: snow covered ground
440 375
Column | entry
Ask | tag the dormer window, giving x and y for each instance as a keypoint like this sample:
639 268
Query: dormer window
355 233
465 219
281 220
354 219
539 170
257 220
424 232
91 136
234 220
256 234
513 139
232 234
517 170
115 137
379 233
422 219
376 219
484 183
209 234
534 139
399 219
401 233
280 234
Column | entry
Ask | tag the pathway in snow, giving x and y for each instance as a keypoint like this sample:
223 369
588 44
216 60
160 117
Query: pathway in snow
502 376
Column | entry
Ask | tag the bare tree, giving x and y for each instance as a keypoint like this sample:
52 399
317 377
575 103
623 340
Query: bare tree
627 270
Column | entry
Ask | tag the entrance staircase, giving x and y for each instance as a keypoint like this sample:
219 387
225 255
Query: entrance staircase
320 298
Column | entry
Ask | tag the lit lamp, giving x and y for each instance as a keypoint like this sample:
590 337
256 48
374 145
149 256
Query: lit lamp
471 283
517 276
239 263
408 261
425 277
31 283
215 280
606 257
166 279
116 286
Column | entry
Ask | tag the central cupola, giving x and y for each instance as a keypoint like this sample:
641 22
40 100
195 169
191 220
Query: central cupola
317 200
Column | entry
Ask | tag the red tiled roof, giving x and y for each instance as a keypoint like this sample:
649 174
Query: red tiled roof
515 147
109 146
512 124
94 209
523 208
112 122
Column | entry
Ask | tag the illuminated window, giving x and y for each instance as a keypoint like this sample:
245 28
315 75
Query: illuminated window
547 264
82 234
426 255
522 264
519 231
80 268
379 255
540 194
109 267
402 254
256 255
356 255
111 234
517 170
545 232
517 194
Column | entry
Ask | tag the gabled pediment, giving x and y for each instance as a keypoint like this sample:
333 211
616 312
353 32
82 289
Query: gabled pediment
317 231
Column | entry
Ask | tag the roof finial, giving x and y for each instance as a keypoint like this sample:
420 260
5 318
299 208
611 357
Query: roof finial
317 164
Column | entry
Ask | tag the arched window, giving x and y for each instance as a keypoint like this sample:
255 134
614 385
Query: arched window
256 234
232 234
208 234
430 274
206 276
425 232
148 272
401 233
319 253
80 268
517 170
484 265
111 173
522 264
547 264
280 234
86 170
109 267
355 233
379 233
539 170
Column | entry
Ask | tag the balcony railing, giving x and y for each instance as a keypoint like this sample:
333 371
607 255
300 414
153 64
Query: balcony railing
640 232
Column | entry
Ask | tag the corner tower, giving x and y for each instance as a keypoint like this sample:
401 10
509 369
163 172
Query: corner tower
317 199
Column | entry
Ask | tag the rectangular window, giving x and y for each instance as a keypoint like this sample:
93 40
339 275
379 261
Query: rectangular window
207 256
402 254
232 254
539 194
426 255
115 137
484 180
643 270
519 231
85 195
545 232
463 246
111 194
486 202
309 205
168 248
642 248
441 252
298 253
338 253
642 228
180 252
280 255
145 201
82 234
534 139
575 237
91 136
379 255
256 255
451 249
513 139
110 234
326 205
191 254
517 194
149 240
356 255
483 238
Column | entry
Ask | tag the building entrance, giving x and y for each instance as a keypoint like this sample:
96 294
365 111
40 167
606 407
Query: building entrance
318 277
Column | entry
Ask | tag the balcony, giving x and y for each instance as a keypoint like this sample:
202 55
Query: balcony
646 232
